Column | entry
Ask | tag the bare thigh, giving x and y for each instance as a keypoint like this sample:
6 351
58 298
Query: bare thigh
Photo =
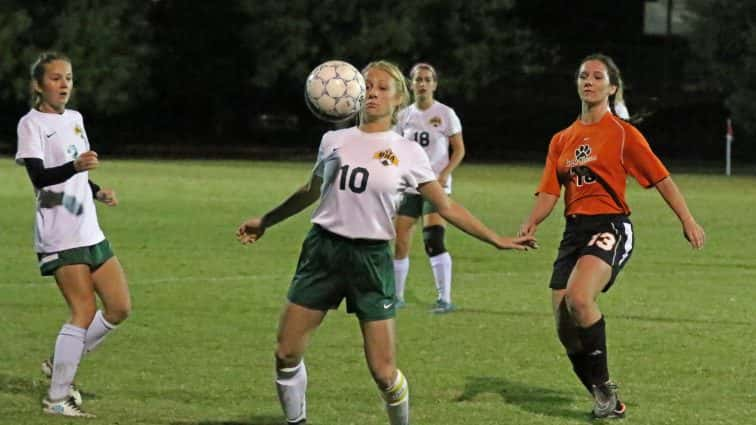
112 287
76 284
294 329
588 278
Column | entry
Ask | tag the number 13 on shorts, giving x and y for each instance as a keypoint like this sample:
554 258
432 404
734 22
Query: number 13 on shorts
605 241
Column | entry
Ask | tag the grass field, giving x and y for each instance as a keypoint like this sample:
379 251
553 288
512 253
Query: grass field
197 349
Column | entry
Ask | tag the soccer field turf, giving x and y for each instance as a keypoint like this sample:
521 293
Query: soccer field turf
198 348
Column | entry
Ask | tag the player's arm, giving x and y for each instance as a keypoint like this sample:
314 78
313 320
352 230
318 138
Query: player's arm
544 204
693 232
457 147
461 218
42 177
254 227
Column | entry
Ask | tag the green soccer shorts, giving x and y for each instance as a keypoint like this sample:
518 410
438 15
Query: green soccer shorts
332 267
415 206
94 256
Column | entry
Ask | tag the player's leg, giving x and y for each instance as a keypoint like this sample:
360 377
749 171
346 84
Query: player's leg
589 277
76 284
440 260
405 226
380 353
295 327
112 288
567 331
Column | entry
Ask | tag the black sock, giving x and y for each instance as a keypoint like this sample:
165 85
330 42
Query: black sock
593 339
580 366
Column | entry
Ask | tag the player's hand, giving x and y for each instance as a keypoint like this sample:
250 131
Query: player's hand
694 233
86 161
521 243
527 229
250 231
107 197
443 179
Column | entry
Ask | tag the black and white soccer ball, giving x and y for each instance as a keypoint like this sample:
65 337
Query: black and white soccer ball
335 91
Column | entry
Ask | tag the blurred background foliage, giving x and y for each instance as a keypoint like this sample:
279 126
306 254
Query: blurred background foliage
215 77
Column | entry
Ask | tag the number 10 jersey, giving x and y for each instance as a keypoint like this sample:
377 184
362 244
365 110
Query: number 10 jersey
364 175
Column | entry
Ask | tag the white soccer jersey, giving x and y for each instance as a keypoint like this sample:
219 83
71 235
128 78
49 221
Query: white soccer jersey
363 177
431 128
66 217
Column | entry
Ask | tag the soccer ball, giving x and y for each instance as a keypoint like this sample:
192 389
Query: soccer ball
335 91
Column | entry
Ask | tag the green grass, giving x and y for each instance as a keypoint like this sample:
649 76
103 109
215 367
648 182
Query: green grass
198 346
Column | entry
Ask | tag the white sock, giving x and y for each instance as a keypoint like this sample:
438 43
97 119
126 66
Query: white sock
291 384
97 331
68 350
401 270
397 400
441 265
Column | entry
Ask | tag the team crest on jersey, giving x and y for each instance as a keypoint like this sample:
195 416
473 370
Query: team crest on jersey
435 121
582 156
79 131
582 152
387 157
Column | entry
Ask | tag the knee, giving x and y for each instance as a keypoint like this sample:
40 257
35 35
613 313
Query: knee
433 237
383 375
578 303
287 357
118 314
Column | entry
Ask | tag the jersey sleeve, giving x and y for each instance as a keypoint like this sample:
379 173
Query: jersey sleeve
324 150
549 179
455 125
29 141
420 172
640 161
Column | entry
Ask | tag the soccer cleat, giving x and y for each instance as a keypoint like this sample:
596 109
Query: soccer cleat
299 422
64 407
607 404
443 307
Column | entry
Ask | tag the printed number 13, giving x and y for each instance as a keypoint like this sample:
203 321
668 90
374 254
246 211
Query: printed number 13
604 241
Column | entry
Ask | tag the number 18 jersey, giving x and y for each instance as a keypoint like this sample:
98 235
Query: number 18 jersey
363 176
431 129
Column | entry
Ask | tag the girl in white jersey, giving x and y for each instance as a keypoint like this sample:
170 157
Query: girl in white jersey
358 178
70 246
436 128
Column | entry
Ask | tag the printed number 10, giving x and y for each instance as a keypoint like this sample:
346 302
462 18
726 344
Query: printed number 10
357 173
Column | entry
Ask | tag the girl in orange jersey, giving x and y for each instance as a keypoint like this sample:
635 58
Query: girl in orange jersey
592 158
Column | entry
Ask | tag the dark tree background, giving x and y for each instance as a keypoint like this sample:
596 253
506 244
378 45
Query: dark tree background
215 78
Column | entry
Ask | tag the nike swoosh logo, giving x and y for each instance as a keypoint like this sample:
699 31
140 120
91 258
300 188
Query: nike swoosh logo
51 134
387 306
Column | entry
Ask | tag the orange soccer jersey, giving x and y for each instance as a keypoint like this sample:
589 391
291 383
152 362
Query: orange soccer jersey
586 158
